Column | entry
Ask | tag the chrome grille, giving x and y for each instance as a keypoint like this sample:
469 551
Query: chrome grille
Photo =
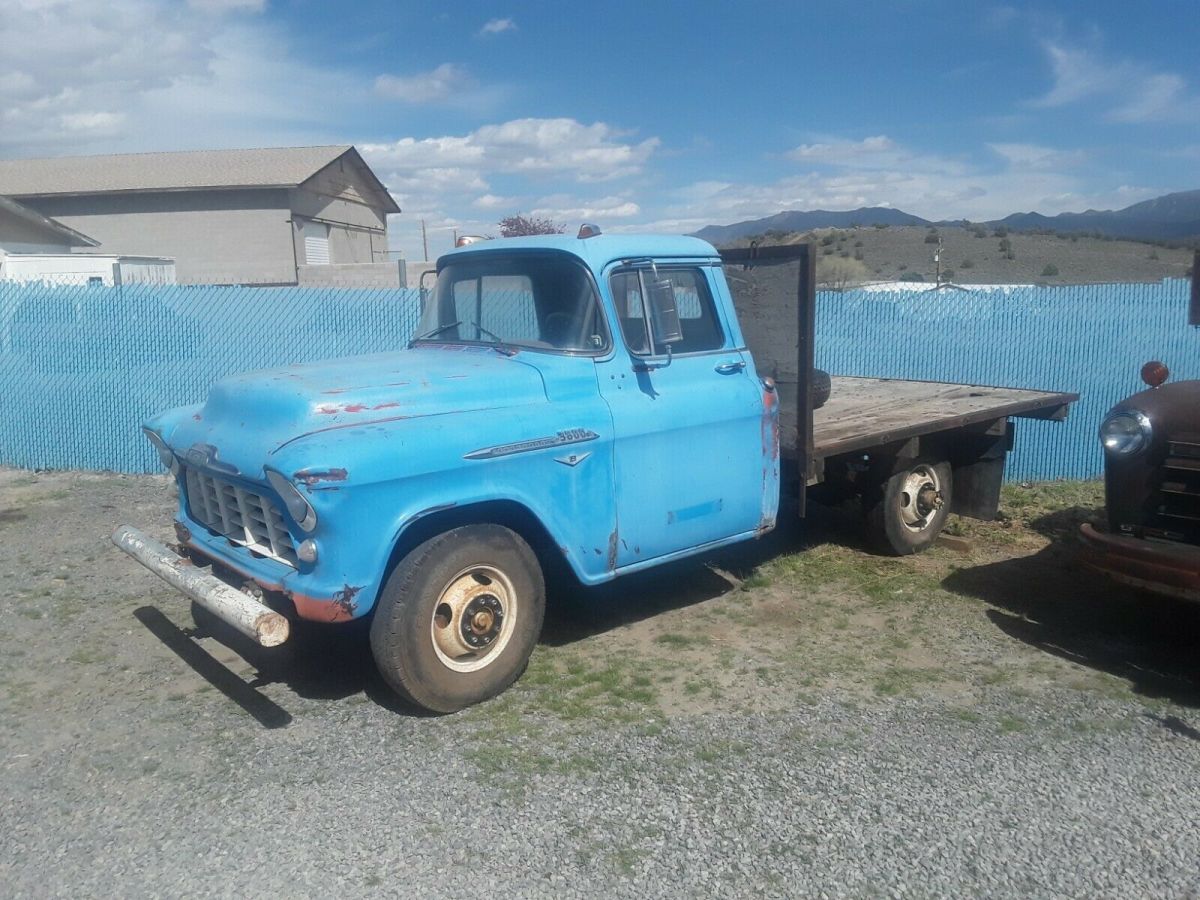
246 518
1179 488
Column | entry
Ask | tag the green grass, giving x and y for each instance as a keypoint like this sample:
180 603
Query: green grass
1011 724
682 641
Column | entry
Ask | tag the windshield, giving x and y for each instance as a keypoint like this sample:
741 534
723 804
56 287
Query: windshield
540 302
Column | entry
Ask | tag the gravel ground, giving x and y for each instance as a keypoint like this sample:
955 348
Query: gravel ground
140 758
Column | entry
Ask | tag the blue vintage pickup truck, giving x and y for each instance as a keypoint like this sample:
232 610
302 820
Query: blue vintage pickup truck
592 400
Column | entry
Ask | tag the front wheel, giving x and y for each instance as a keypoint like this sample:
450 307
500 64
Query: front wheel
459 617
906 512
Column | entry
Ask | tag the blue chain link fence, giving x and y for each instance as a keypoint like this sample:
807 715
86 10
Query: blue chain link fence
82 367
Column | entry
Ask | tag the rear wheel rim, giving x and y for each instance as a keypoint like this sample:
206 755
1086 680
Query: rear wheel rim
920 498
473 618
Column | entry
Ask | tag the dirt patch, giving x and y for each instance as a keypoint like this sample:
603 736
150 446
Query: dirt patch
803 614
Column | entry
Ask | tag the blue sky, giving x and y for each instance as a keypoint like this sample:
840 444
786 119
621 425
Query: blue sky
637 115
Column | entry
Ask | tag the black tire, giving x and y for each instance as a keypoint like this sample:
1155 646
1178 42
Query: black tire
493 567
899 520
820 388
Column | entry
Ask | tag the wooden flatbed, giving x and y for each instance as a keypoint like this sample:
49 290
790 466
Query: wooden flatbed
862 413
912 451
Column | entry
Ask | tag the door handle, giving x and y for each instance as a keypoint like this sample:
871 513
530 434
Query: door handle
728 368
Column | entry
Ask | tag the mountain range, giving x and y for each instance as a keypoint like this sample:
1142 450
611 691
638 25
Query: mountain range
1170 217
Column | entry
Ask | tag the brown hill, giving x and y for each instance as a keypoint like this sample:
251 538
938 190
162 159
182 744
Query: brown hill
985 255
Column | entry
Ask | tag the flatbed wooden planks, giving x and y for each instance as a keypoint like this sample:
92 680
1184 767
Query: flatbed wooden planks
868 412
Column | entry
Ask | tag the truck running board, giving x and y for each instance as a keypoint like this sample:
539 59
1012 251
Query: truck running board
243 612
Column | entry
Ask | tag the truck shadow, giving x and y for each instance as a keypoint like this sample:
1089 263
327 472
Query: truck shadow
574 612
333 662
1051 602
317 662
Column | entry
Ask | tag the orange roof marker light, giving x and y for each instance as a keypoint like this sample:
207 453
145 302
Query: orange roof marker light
587 230
1155 373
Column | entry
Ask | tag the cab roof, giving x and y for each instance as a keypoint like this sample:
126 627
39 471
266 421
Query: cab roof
596 251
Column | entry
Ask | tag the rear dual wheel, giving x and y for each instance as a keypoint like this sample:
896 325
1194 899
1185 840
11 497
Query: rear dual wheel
459 617
906 512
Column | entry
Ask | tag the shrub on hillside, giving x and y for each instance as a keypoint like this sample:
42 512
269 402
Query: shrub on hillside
1051 271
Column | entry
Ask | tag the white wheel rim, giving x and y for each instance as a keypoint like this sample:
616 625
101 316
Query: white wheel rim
473 619
920 498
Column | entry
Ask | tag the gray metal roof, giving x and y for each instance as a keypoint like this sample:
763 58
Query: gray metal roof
185 170
68 236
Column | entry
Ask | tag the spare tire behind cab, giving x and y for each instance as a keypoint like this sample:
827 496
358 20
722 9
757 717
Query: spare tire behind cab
819 388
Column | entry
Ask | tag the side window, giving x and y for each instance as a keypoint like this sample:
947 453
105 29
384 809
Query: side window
627 295
697 314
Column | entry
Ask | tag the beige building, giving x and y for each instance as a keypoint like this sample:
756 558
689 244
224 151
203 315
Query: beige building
286 215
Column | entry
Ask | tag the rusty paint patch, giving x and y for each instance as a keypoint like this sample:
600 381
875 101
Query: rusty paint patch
198 417
333 410
182 533
344 599
612 550
312 477
316 609
770 423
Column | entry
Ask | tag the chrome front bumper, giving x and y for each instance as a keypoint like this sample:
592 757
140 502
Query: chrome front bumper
239 610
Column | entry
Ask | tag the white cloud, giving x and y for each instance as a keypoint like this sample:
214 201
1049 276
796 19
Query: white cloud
127 75
839 151
849 174
1133 92
225 6
595 152
562 207
497 26
1035 156
491 201
872 153
92 121
442 83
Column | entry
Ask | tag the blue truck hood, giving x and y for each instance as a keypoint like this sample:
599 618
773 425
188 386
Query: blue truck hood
250 416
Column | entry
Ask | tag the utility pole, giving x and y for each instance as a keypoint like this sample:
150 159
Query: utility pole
424 240
937 258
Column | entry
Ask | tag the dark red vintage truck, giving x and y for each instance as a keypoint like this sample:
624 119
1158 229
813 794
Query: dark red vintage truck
1152 484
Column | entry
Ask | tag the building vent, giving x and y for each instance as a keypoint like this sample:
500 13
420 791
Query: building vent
316 242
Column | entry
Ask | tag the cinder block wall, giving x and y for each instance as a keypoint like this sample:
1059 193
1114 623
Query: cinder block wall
353 275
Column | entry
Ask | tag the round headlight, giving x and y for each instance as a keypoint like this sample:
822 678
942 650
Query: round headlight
1125 432
297 505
